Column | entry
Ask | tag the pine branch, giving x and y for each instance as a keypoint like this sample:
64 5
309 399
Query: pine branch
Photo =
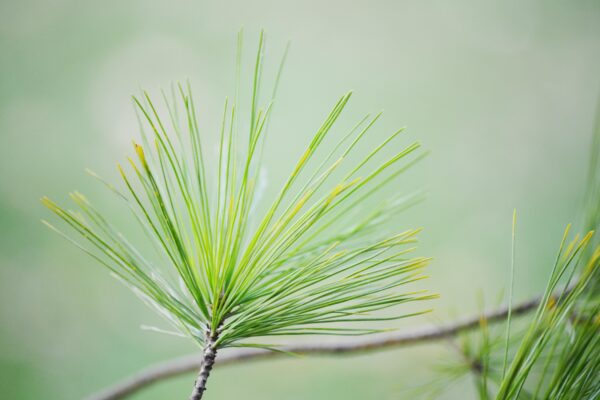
323 256
206 365
186 364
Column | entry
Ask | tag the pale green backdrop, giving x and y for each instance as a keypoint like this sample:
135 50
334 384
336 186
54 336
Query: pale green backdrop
502 93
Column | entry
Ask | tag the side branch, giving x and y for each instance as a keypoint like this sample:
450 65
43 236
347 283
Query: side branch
187 364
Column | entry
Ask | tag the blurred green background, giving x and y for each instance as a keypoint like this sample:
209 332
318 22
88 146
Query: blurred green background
503 94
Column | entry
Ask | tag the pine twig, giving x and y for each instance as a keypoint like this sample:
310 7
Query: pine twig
185 364
206 365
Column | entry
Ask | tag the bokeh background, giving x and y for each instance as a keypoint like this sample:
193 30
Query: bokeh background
503 95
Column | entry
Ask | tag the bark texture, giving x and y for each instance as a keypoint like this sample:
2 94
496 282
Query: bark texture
208 361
